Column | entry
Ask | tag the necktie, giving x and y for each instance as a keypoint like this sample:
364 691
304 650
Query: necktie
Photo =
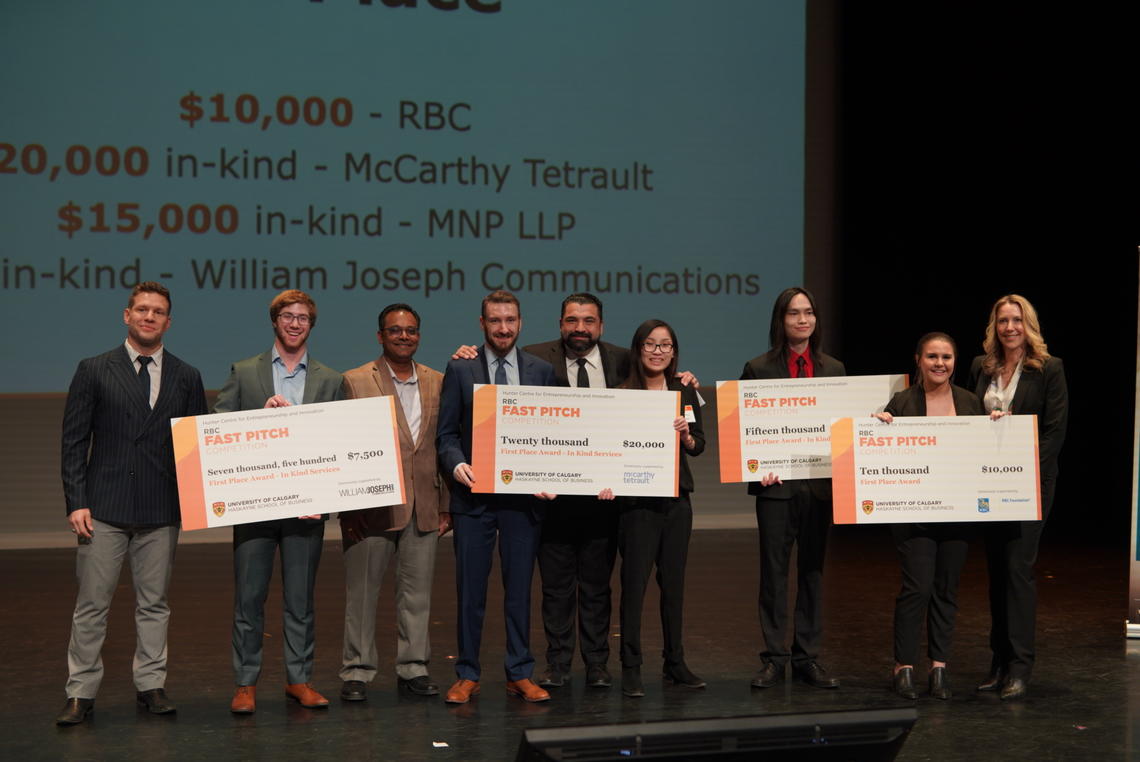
801 367
583 377
501 372
144 377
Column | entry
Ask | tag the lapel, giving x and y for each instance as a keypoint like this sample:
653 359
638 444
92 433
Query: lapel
482 372
124 372
265 375
313 373
557 358
428 401
166 387
382 377
1024 384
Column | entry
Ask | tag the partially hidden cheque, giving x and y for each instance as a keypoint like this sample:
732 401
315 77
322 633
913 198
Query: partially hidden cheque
285 462
783 426
530 439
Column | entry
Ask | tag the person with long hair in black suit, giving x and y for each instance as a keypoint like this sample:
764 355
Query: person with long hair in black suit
1017 375
656 530
798 512
932 555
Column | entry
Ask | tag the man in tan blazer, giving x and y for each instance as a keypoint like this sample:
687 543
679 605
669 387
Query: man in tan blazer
409 531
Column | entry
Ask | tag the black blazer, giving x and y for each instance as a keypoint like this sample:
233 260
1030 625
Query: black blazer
615 361
689 398
453 430
1039 392
771 365
117 458
912 401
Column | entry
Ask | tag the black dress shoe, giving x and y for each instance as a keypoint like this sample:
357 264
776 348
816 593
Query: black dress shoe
903 683
1014 688
815 676
552 677
769 675
75 711
994 681
155 701
679 674
631 682
421 685
354 690
597 676
940 684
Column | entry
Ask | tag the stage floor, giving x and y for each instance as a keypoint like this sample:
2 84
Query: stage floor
1084 701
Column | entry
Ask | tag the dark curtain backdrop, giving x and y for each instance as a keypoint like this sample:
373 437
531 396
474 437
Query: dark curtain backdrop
988 148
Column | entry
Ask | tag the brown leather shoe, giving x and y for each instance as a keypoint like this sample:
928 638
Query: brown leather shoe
245 699
526 689
304 695
462 691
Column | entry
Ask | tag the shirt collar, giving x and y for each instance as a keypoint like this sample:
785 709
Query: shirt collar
413 380
155 357
304 363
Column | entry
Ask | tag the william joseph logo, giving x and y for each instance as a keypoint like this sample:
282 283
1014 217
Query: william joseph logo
753 465
219 508
868 507
507 475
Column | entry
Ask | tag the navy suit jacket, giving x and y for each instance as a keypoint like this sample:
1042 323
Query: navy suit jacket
453 433
117 457
615 361
771 365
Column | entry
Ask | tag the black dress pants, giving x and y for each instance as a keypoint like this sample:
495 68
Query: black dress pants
804 521
653 531
1011 554
576 558
932 558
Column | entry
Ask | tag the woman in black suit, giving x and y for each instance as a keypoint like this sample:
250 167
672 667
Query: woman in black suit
932 554
1018 376
655 530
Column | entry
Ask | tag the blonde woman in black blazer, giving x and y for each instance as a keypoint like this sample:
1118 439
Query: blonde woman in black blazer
932 555
1018 376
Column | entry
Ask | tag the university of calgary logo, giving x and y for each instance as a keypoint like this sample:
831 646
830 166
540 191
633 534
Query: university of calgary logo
219 508
868 506
507 475
753 465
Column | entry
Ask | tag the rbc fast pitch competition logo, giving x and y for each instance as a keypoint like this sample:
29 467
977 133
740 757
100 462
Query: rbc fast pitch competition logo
219 508
507 475
983 505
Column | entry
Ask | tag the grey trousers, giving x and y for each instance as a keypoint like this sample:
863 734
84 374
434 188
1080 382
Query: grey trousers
299 542
364 566
97 565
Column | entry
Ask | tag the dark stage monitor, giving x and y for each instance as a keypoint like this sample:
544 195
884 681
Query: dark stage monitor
871 734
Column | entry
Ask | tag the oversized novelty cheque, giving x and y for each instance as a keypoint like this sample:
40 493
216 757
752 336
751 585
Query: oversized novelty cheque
529 439
937 468
782 426
255 465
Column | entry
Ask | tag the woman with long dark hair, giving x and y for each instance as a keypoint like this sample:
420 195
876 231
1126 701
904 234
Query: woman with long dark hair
1018 376
932 555
655 530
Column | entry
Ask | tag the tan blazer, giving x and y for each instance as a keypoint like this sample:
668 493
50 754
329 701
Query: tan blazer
422 481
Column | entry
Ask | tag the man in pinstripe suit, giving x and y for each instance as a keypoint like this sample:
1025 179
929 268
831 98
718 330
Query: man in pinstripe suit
122 496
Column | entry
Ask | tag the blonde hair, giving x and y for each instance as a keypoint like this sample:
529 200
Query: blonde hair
1036 350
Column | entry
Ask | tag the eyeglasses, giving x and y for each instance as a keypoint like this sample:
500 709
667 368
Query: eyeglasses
652 347
293 317
395 330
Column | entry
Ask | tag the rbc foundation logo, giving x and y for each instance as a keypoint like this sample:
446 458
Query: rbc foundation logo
868 507
219 508
983 505
507 475
753 465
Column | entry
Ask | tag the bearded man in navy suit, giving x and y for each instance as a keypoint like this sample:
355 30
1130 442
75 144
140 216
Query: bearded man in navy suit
481 519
